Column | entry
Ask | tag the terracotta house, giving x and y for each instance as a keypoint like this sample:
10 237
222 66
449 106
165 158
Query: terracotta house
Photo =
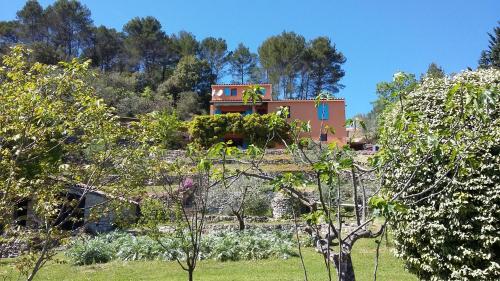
228 98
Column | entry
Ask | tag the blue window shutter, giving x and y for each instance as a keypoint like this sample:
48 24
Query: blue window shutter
323 111
234 92
217 110
263 91
227 91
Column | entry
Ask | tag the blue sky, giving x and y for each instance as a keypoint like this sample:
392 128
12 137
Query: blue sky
378 38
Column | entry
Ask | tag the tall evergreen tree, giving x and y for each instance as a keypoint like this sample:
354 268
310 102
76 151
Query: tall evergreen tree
185 43
281 56
325 65
106 48
214 51
146 43
491 56
70 26
242 62
33 22
434 71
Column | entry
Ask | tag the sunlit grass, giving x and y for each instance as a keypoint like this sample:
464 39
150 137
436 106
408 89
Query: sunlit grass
390 268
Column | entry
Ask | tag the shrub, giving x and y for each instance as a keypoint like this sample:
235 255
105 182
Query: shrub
163 128
90 251
207 130
441 146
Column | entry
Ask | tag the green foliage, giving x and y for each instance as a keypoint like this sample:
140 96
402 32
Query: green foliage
384 207
491 56
163 129
248 245
188 105
207 130
188 74
324 62
145 42
220 246
387 93
56 134
185 43
214 51
90 251
281 55
440 154
70 26
434 71
253 93
242 62
259 204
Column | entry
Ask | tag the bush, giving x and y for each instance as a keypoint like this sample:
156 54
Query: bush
90 251
441 148
207 130
162 127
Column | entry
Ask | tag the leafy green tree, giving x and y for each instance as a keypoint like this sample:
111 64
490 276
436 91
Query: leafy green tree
242 61
325 66
388 93
281 56
440 154
214 51
33 21
70 26
491 57
190 75
58 143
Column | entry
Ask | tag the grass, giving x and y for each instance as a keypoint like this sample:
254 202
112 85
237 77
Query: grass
390 268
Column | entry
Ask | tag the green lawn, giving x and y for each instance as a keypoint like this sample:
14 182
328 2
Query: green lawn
390 268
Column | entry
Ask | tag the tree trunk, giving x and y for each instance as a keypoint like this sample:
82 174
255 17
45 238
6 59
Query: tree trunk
346 270
241 221
190 274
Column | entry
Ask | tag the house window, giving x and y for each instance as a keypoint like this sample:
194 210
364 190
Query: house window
322 111
217 110
323 137
227 91
234 92
263 91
